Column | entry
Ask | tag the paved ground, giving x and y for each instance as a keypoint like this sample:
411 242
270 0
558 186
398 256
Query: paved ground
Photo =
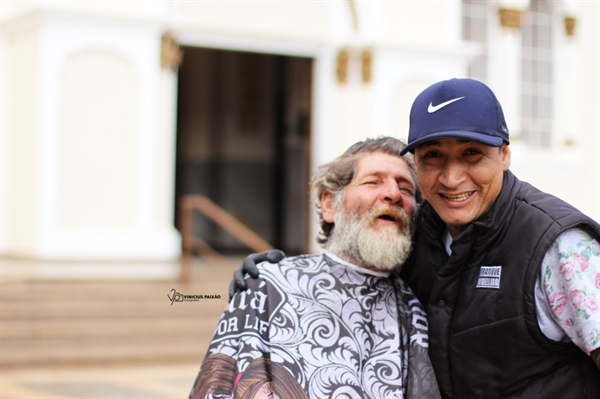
115 382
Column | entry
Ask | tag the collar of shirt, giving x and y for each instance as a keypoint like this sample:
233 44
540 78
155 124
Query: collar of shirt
355 267
448 242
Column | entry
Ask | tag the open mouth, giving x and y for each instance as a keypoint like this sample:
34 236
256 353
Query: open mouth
391 218
457 198
391 215
388 218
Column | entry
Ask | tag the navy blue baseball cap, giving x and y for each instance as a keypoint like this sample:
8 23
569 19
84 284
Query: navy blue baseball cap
457 108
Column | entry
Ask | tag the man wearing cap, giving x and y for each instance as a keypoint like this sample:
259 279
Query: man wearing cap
509 275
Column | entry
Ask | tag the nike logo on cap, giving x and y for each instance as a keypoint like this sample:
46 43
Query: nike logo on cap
433 108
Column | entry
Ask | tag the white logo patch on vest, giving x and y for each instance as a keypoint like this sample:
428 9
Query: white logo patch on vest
489 277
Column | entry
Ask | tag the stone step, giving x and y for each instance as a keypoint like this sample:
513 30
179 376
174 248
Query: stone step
129 349
86 322
103 309
209 282
13 330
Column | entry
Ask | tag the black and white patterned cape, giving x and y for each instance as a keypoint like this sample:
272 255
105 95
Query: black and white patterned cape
340 330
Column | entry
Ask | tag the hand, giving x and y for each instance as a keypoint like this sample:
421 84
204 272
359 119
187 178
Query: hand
249 266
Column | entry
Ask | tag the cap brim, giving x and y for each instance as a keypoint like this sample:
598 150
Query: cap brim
492 141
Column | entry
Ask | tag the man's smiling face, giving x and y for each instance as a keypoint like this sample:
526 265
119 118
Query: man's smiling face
381 180
372 222
460 179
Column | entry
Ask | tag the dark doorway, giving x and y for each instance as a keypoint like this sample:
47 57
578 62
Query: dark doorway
243 140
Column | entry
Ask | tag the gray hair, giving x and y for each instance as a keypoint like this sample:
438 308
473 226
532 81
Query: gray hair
336 175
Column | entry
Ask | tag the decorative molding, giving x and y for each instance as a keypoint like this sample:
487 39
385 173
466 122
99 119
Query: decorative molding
367 65
343 60
510 17
353 58
570 23
171 54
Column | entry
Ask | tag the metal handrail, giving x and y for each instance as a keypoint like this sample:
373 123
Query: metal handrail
190 203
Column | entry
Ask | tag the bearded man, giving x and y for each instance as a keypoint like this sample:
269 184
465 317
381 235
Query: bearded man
340 323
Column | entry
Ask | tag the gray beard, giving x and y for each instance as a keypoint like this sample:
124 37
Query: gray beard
354 240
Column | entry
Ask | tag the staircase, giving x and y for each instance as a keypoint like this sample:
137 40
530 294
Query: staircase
93 321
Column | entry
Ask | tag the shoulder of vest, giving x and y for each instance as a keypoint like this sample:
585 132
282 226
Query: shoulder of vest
547 206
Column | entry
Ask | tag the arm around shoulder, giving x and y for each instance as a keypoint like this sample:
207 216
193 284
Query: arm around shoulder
249 267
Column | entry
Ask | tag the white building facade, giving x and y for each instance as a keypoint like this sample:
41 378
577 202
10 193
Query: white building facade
91 104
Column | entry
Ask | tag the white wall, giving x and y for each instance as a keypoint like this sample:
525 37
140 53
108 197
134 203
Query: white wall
84 176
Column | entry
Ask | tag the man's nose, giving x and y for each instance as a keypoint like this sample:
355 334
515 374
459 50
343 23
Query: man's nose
453 174
392 193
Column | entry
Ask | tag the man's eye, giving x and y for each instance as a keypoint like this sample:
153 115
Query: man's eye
432 154
472 153
407 190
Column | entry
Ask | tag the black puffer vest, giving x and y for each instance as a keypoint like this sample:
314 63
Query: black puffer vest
485 341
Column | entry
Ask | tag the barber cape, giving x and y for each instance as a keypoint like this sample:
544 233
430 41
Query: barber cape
332 328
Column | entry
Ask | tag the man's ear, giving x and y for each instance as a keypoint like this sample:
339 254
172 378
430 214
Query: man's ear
327 209
505 154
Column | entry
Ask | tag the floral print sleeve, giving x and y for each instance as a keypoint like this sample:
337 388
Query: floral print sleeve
571 279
